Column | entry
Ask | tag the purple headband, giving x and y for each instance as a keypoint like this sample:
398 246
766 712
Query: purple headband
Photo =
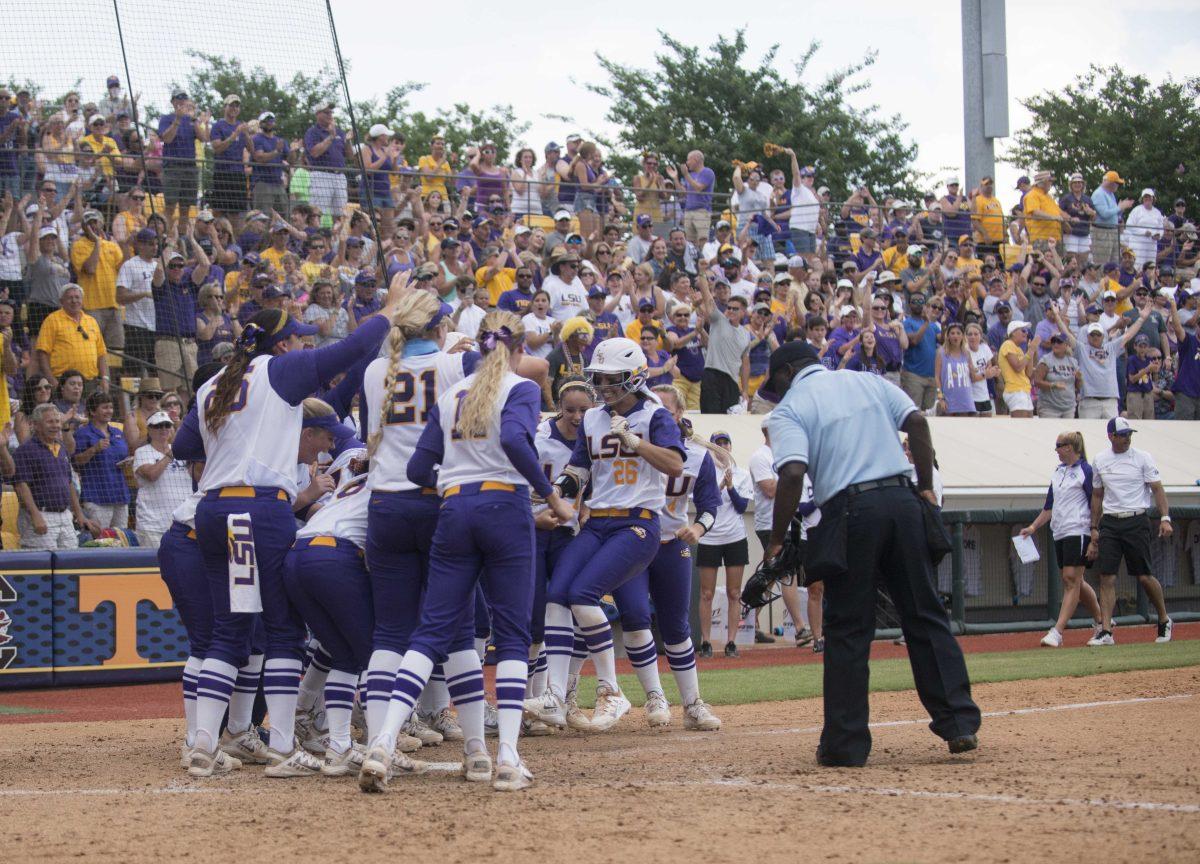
327 421
488 339
444 311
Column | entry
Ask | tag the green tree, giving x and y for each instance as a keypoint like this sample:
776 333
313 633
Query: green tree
720 102
293 102
1109 119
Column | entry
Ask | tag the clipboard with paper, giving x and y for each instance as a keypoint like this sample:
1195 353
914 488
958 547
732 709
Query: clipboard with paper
1027 550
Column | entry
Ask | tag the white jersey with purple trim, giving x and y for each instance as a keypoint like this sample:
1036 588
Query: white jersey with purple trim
554 452
420 381
185 513
678 493
729 526
620 478
475 460
345 516
258 442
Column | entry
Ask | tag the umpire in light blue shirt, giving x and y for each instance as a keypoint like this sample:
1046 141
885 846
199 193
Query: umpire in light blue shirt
840 429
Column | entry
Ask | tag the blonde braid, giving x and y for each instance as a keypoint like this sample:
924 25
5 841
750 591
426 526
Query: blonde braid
720 455
412 318
479 405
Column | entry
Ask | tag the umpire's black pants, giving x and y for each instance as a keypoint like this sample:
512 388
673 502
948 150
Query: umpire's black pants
885 541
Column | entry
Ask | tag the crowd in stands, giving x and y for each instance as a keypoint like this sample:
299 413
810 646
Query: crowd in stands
137 250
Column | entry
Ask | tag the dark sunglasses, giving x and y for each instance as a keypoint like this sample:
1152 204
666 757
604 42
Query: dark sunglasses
936 306
138 197
174 266
162 426
879 308
429 278
43 387
1058 444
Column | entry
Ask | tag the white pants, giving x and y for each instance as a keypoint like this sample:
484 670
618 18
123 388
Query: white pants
327 191
107 515
1077 244
1095 408
149 539
60 531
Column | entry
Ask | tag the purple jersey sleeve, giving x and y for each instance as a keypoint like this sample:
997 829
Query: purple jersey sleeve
1087 480
739 503
1049 505
298 374
706 494
341 397
664 432
188 444
518 423
471 362
422 468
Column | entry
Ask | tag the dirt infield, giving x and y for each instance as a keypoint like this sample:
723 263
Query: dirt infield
154 701
1069 769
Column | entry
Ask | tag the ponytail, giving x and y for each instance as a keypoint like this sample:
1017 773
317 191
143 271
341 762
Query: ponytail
254 341
720 455
500 334
414 313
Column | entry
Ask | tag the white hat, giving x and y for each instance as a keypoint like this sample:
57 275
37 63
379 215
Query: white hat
1165 292
522 229
847 310
797 261
1014 326
1147 191
265 116
845 283
159 417
914 250
1095 327
885 277
782 277
952 181
377 130
1108 294
562 214
1076 178
47 231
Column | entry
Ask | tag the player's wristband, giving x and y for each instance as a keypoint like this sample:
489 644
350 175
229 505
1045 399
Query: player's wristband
706 521
1164 519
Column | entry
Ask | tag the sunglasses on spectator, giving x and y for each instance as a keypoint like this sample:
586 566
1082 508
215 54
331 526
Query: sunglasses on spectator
50 190
1058 444
1039 284
879 308
162 425
138 197
43 387
174 266
936 306
174 403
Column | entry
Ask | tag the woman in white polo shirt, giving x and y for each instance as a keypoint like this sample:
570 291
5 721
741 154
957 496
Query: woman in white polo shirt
163 481
1068 510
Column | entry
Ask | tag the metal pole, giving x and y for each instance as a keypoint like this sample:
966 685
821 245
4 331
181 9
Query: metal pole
958 602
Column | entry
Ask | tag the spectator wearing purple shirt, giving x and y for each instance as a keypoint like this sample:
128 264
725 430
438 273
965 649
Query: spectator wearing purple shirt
268 155
12 127
890 337
698 182
659 363
1187 378
686 343
42 481
325 155
868 255
845 337
605 325
181 179
230 141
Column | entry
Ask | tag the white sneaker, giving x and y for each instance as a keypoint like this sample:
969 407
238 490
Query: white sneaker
1164 631
658 712
340 764
1052 639
576 718
698 717
611 706
246 747
416 727
373 775
298 763
445 722
477 767
512 778
1104 637
202 764
548 708
407 743
491 720
535 728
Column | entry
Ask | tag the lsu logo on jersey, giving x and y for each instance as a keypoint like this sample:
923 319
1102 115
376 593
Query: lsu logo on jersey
685 552
639 531
5 623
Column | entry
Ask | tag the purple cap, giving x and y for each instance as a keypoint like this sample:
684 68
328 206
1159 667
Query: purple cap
1119 426
291 327
644 219
1111 266
646 304
272 292
1048 305
480 220
597 291
553 145
1093 310
354 241
1003 305
113 81
1022 179
365 277
263 280
145 235
251 258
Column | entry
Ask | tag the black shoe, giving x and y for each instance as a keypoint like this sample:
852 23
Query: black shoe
963 743
827 761
819 646
705 650
761 638
731 650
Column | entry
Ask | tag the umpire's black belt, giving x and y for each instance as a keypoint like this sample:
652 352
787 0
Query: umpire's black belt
870 485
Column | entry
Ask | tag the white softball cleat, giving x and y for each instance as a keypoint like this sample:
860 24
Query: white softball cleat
417 728
548 708
477 767
298 763
576 718
202 764
407 743
658 712
512 778
491 720
445 722
611 706
374 773
342 764
244 746
698 717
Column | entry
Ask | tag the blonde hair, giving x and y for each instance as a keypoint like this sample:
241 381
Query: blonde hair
1075 439
721 456
479 405
314 407
413 314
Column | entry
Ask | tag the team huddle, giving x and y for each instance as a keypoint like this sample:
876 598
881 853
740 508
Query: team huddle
453 517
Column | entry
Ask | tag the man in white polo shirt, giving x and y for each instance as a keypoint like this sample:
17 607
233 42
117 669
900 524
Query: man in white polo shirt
1124 480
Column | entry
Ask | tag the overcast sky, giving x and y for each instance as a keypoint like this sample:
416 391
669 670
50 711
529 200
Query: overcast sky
539 62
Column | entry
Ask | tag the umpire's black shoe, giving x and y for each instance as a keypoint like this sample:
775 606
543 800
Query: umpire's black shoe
963 743
825 760
705 650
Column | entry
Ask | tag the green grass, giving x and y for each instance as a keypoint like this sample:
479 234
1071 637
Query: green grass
778 683
12 710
